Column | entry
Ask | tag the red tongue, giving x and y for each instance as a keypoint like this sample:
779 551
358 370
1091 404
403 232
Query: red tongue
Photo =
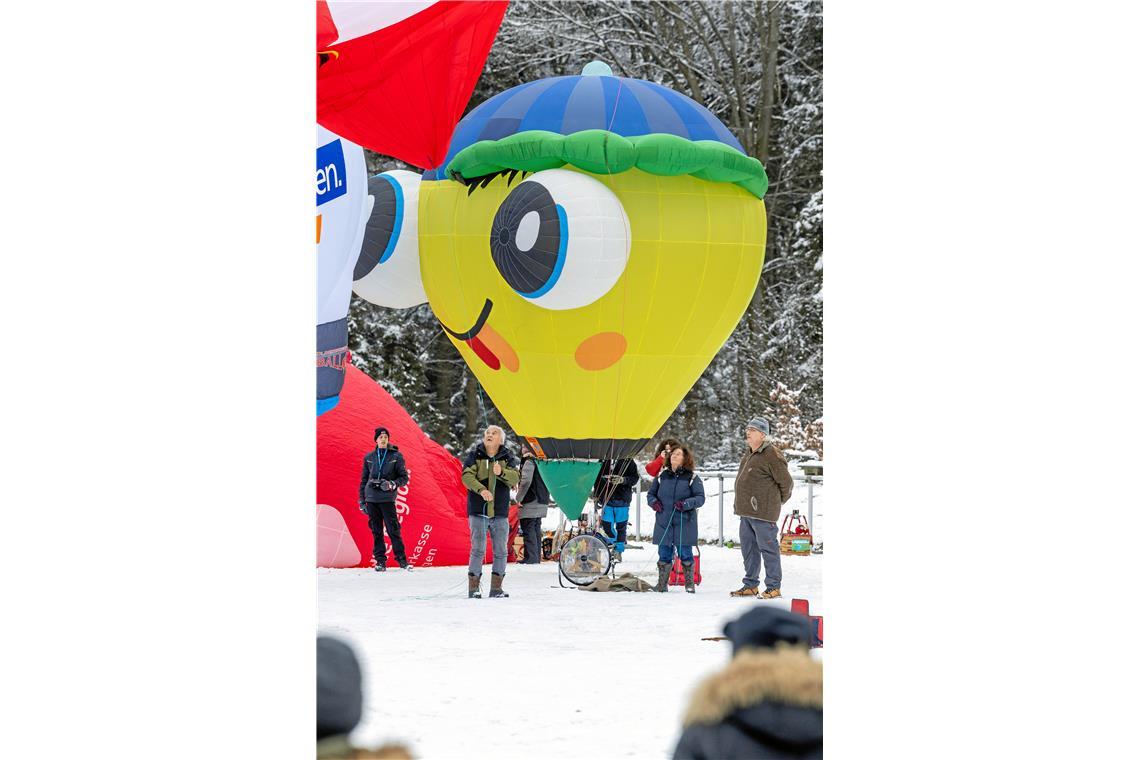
483 352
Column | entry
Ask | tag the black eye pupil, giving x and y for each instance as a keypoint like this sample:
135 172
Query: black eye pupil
382 224
526 271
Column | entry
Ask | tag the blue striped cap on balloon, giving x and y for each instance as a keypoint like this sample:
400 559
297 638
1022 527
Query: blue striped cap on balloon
568 104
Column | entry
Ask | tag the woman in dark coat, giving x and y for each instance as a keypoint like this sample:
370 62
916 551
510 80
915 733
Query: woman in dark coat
675 496
384 472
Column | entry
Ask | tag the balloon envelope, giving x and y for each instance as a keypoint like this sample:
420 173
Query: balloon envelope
432 508
396 76
343 205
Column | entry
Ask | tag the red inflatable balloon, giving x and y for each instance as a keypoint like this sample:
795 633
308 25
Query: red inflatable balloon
432 507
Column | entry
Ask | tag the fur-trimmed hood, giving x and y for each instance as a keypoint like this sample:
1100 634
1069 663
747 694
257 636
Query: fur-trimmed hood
339 748
773 695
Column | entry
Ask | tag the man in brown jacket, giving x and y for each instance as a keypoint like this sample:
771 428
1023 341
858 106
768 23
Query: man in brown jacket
763 485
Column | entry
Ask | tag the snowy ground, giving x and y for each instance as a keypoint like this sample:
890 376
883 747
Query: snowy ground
549 671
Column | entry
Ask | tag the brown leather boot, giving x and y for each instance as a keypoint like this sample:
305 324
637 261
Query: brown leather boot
663 569
473 586
690 586
497 586
745 591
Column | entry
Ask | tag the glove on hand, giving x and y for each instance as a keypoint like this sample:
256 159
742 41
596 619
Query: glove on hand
387 485
658 507
363 509
679 505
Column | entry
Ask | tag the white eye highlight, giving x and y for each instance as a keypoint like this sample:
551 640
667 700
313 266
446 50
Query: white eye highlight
528 231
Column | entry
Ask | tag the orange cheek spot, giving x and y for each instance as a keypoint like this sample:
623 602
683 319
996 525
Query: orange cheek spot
500 348
600 351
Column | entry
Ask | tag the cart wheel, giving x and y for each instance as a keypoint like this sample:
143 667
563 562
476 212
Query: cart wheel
584 559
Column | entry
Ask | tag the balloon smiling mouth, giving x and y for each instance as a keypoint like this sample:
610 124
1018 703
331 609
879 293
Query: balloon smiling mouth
487 344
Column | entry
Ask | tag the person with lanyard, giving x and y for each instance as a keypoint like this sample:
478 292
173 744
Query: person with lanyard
613 492
490 471
675 496
383 473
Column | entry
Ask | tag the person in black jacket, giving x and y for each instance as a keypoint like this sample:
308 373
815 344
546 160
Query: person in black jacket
767 704
340 705
613 493
534 500
383 473
490 471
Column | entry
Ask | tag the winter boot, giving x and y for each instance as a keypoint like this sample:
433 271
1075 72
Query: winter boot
663 569
380 565
772 593
689 585
473 586
497 586
745 591
405 566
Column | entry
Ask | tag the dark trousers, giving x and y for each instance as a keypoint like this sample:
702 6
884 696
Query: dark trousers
531 528
384 514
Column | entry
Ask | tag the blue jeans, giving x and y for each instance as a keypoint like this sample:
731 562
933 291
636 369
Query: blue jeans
760 539
665 553
499 528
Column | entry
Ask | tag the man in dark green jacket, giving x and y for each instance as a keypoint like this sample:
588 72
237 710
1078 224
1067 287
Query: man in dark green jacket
763 485
490 471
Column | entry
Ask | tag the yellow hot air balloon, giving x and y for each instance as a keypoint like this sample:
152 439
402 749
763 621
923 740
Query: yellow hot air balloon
589 244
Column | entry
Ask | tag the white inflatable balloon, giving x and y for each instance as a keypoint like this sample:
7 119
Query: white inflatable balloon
388 269
343 207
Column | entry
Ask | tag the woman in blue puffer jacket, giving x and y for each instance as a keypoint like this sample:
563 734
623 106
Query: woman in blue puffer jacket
675 496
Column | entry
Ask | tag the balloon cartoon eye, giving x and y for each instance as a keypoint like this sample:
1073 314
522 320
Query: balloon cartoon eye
560 239
388 269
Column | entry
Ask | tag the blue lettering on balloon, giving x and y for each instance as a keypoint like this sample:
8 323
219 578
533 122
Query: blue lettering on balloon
331 179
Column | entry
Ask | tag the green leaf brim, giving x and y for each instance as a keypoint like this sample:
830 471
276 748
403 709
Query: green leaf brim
602 152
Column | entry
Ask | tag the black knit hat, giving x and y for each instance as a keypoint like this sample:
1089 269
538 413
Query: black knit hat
339 695
765 626
380 430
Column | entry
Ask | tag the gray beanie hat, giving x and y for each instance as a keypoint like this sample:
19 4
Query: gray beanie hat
767 626
340 695
759 423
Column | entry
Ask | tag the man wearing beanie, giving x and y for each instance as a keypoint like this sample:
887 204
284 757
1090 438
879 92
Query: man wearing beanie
768 701
763 485
384 472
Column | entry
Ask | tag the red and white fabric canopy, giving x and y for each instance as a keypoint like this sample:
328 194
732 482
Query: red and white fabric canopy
395 76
